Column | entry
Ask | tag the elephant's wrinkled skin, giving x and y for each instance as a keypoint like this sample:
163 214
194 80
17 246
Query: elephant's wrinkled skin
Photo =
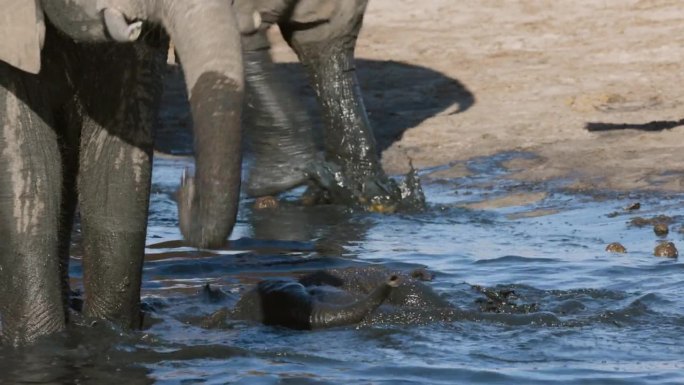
336 292
78 95
323 33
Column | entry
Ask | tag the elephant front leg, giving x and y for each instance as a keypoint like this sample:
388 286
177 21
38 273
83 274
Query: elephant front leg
277 125
114 185
353 172
119 97
30 192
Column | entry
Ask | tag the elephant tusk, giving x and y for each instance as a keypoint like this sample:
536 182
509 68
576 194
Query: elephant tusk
184 176
118 27
256 19
171 53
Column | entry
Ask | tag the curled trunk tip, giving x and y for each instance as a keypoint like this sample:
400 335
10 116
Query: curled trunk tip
327 315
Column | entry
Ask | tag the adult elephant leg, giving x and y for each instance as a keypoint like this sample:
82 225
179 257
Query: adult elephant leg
277 125
113 193
326 49
30 192
114 176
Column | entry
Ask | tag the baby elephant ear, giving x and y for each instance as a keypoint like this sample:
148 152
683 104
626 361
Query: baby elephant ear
313 11
22 29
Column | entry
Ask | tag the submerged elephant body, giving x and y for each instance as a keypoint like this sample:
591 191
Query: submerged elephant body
329 298
78 97
363 292
291 304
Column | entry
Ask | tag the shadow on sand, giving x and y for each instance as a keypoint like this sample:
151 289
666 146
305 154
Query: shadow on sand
397 96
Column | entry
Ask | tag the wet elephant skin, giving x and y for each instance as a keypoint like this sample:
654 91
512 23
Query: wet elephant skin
292 303
79 131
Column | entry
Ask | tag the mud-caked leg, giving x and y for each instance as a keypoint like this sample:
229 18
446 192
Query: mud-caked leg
120 91
277 124
30 193
326 49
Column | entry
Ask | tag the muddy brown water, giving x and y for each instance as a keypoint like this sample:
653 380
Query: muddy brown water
621 316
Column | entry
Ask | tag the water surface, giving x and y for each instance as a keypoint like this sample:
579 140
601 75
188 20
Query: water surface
621 315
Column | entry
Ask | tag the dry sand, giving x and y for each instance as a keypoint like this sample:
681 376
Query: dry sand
446 81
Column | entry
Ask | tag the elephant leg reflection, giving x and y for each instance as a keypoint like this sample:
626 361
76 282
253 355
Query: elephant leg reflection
114 177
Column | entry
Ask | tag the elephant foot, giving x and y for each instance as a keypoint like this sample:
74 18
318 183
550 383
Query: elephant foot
374 193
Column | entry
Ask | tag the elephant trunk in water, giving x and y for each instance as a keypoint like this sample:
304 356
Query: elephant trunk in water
288 303
207 40
329 315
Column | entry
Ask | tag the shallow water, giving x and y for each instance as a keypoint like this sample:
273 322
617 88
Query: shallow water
621 315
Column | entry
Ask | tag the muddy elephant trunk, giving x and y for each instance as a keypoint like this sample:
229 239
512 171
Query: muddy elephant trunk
208 43
328 315
207 40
